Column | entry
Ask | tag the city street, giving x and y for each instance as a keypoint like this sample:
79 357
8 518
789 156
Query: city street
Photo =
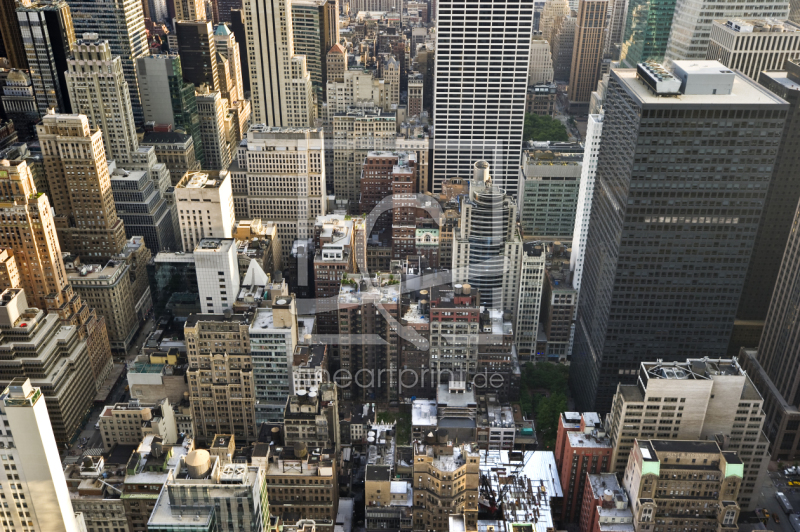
777 482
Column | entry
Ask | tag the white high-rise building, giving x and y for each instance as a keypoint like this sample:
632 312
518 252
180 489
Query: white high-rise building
691 25
273 337
594 130
529 302
35 478
98 89
279 175
205 207
481 79
217 265
280 85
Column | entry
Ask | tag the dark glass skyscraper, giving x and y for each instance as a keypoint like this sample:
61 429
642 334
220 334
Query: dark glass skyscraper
683 170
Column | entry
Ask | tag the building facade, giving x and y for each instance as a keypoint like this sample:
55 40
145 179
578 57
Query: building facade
753 45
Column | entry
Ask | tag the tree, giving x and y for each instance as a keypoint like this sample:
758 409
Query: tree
547 415
541 128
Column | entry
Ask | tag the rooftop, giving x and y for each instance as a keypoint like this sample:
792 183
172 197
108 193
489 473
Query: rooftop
423 412
214 245
201 179
167 137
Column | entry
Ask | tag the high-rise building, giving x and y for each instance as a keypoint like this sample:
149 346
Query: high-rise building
11 35
646 31
356 132
416 88
215 128
487 247
33 453
587 53
198 52
205 207
474 93
282 93
552 11
548 197
655 481
632 307
559 301
218 277
336 63
368 342
19 104
583 447
98 89
190 10
612 42
540 69
390 73
594 131
36 250
454 312
752 46
220 375
772 366
58 363
143 210
238 28
776 219
175 150
48 36
121 24
279 175
695 399
315 29
441 459
689 35
75 162
529 303
228 47
161 75
563 44
273 333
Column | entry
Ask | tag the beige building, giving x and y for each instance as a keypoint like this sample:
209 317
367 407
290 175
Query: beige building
390 72
54 356
220 376
562 43
128 423
540 69
700 399
205 207
279 175
9 271
445 477
312 417
39 264
553 10
753 45
691 484
301 485
336 61
357 132
228 48
587 52
97 89
107 287
215 128
175 150
77 173
94 493
190 10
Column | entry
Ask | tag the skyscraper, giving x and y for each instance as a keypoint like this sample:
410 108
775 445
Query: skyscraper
228 47
198 52
161 75
774 366
688 38
77 171
646 31
11 35
594 131
664 266
282 93
214 128
121 23
98 89
19 104
34 452
48 36
487 247
777 217
587 53
482 54
238 28
315 30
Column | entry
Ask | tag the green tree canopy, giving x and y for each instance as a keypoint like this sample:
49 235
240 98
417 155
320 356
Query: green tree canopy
541 128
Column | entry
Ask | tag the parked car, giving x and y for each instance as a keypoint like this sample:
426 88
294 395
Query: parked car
776 518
